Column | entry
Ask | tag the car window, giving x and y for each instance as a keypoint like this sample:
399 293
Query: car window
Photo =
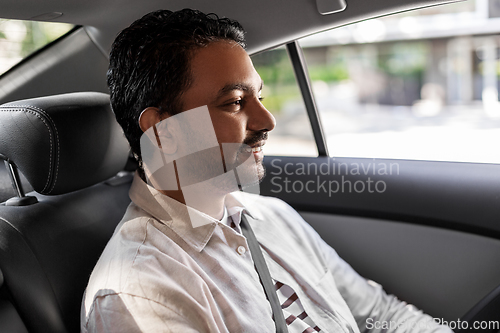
293 134
19 39
418 85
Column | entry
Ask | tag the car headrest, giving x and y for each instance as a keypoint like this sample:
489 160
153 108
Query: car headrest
63 143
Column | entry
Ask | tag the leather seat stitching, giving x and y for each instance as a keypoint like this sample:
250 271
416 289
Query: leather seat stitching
58 145
48 127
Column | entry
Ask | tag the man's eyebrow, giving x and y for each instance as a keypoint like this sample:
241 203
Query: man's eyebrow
237 86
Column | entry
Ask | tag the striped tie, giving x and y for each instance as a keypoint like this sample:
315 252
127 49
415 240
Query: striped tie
295 316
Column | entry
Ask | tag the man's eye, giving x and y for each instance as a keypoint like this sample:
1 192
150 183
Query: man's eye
238 103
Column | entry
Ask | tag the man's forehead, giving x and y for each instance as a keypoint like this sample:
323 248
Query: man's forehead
221 68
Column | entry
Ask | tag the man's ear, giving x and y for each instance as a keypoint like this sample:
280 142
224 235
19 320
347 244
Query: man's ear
150 117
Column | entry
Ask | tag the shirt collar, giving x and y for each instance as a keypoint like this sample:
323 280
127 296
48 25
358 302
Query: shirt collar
238 203
178 216
224 219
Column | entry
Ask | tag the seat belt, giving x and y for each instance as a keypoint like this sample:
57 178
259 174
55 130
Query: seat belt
265 277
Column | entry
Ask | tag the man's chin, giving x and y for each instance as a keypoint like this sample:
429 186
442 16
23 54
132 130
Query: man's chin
252 183
261 171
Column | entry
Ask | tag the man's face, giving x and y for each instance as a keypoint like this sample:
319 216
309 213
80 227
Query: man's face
224 79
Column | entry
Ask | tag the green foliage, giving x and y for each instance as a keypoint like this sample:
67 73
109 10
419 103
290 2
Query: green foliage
2 35
279 73
21 38
275 96
327 73
274 67
276 71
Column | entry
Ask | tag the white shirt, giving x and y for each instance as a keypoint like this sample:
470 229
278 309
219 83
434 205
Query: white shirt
159 274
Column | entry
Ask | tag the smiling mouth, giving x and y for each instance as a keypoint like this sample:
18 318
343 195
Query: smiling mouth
255 148
252 150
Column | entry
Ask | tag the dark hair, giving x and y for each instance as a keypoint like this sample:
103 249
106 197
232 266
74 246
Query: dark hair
149 63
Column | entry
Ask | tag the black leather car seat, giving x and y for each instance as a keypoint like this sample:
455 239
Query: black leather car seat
71 150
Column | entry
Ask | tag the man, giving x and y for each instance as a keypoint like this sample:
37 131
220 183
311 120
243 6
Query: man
188 98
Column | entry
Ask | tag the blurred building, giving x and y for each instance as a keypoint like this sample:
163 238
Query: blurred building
447 52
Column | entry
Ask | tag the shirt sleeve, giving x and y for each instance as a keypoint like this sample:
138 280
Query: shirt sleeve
124 313
373 309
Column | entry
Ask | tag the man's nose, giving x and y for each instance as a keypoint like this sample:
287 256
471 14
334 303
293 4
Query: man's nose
260 119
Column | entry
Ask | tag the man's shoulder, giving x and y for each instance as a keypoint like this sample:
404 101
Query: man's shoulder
139 245
116 261
275 218
138 261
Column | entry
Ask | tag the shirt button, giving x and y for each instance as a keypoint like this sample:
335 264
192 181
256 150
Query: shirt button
241 250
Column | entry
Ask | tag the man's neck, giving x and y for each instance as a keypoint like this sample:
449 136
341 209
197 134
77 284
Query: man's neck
204 200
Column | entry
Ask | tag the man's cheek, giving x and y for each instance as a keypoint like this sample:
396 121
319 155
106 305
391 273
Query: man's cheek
234 154
239 157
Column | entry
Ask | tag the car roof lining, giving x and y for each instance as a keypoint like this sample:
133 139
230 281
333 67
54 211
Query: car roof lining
268 23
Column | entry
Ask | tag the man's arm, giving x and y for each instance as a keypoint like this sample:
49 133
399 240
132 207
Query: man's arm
373 309
122 313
